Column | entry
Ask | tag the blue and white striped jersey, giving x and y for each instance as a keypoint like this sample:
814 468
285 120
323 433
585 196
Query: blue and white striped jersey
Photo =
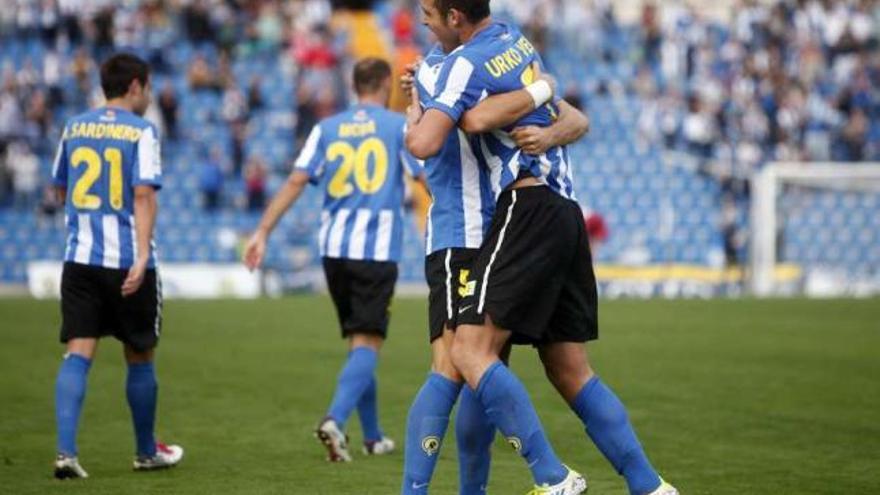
103 155
358 158
499 60
462 197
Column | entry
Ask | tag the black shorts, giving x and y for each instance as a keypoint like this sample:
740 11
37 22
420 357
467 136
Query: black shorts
448 275
92 306
361 291
534 274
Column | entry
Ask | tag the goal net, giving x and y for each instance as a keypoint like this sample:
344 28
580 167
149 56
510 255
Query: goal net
820 221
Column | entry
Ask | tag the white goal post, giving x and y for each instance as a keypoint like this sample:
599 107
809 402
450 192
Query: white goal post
767 185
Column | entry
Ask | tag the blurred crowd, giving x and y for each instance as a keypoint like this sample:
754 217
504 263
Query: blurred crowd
784 80
75 35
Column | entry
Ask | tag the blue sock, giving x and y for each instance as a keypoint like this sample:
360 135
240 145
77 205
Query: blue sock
474 433
508 406
70 389
354 378
426 425
141 390
608 426
369 413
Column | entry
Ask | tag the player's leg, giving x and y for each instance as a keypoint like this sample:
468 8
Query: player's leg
70 391
81 309
428 418
375 441
475 353
602 413
355 379
518 279
368 412
141 391
139 320
474 434
565 359
362 292
446 272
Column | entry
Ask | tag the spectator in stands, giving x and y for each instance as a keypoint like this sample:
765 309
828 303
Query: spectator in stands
158 35
27 77
255 94
226 32
197 22
597 230
730 233
255 183
49 22
238 136
211 180
24 167
699 128
5 177
269 26
81 68
49 203
27 19
10 111
52 69
70 10
235 104
168 107
200 75
103 28
854 136
38 118
652 37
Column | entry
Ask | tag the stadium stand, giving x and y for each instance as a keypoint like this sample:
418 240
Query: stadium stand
676 131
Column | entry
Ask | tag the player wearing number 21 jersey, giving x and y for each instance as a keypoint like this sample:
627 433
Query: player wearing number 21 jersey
103 154
108 171
358 160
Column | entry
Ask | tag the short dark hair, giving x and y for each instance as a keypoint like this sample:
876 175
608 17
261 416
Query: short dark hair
369 73
118 71
474 10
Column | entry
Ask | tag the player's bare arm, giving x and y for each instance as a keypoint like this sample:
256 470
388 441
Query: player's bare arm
571 125
255 249
145 209
502 110
426 131
494 112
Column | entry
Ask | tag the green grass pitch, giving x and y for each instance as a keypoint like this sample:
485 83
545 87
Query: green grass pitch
728 397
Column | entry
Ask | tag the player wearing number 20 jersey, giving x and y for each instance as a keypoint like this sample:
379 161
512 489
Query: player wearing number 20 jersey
358 160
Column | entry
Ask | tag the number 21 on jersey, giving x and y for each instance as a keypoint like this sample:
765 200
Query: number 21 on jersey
355 162
82 197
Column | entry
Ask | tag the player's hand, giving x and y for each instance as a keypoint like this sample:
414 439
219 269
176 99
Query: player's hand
539 74
134 279
533 140
414 110
408 79
254 251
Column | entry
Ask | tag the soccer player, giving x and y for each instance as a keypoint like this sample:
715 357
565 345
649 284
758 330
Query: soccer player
358 159
107 170
533 277
460 213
